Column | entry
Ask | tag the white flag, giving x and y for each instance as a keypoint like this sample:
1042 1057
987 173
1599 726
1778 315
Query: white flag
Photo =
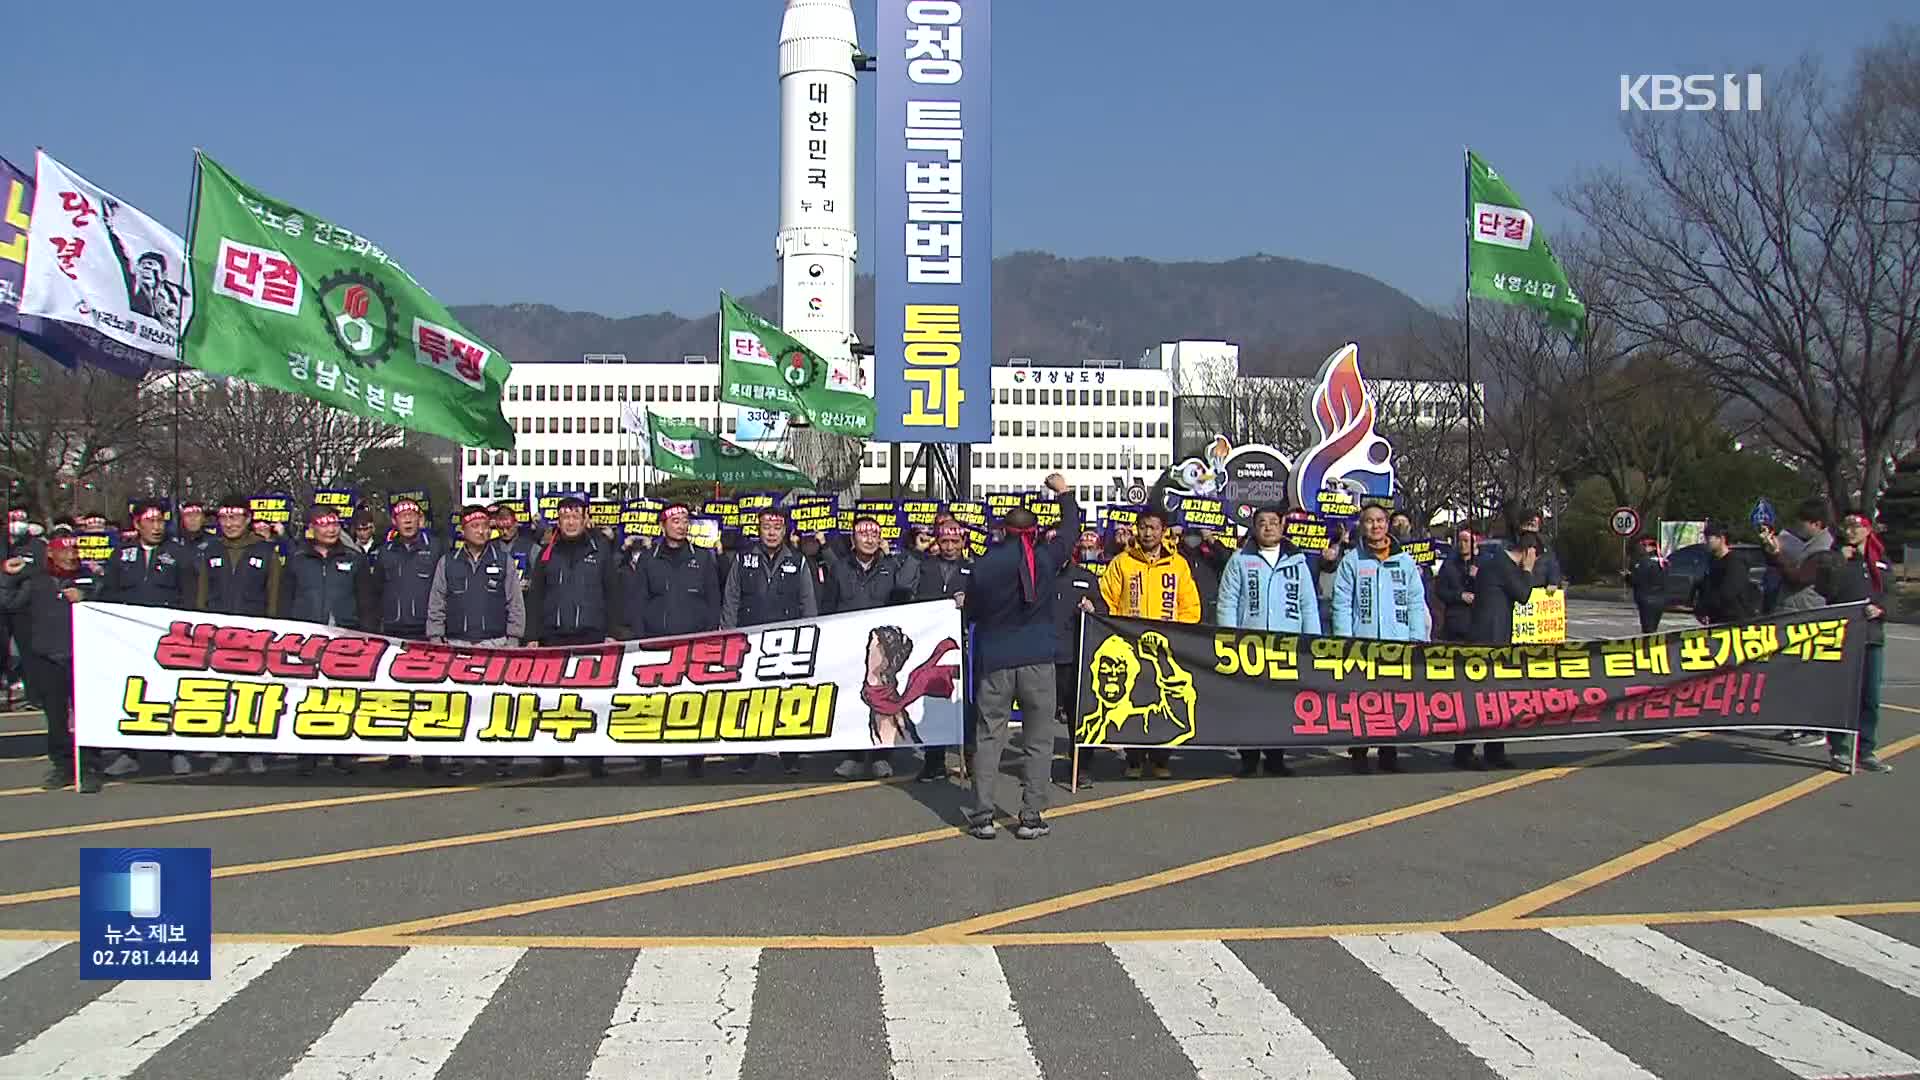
633 419
96 262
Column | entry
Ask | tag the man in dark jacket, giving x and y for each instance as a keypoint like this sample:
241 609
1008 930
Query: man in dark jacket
771 582
1015 642
943 571
475 599
22 542
1079 581
194 534
1206 557
45 596
680 584
1727 594
1855 572
575 597
238 575
520 544
154 570
327 582
1648 580
860 579
402 572
1454 587
1506 579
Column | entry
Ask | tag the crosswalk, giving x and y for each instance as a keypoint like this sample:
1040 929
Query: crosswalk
1596 1002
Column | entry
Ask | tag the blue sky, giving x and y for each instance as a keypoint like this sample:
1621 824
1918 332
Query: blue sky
619 156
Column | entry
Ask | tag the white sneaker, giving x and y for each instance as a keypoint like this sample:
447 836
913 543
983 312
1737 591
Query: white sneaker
882 769
222 765
847 769
256 764
181 766
124 765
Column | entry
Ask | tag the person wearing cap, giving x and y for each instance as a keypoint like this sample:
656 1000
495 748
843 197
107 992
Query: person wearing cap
327 582
1648 580
575 596
862 578
675 592
771 582
944 571
154 570
241 576
45 595
476 600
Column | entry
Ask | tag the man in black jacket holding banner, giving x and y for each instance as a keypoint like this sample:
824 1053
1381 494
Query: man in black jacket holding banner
575 595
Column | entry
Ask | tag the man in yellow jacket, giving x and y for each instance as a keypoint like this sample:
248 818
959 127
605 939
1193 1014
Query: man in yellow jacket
1147 580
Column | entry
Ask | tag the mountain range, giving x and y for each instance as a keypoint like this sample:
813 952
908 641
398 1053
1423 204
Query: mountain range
1287 315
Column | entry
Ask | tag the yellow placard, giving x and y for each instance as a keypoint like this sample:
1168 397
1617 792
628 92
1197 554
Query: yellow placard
1542 620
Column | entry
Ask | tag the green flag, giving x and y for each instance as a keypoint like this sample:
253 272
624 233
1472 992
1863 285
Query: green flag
764 367
1508 258
300 304
689 450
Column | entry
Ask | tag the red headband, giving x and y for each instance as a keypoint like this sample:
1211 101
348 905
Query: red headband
404 505
150 512
323 519
64 540
478 515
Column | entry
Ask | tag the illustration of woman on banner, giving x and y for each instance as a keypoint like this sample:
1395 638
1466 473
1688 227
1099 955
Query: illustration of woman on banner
888 648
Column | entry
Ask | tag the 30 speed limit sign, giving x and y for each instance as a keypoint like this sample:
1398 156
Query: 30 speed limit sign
1626 521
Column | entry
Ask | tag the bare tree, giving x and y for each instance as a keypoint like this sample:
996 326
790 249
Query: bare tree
74 431
1775 254
246 438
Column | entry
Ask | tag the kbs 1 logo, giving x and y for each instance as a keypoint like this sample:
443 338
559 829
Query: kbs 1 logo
1689 93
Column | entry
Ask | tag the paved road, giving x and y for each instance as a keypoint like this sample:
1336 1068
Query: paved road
1684 907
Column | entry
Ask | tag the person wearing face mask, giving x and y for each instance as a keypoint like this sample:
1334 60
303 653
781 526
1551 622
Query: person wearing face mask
575 596
771 582
402 582
1379 593
153 571
475 600
1268 586
862 578
239 576
679 586
45 595
326 582
1146 581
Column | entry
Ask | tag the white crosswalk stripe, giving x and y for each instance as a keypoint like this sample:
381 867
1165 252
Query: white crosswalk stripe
1801 1038
1224 1018
116 1033
408 1022
683 1013
948 1012
1516 1034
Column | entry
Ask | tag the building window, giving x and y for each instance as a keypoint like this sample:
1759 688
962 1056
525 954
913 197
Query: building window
976 459
594 394
706 393
649 393
594 489
733 425
1032 428
623 393
566 393
1166 430
583 393
513 393
540 393
677 392
1163 399
540 424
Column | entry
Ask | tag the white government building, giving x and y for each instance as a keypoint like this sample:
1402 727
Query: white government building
1104 425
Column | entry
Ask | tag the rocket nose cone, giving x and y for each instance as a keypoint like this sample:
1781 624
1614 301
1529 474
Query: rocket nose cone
819 19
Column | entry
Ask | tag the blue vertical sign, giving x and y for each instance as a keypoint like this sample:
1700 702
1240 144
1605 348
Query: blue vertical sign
933 316
146 913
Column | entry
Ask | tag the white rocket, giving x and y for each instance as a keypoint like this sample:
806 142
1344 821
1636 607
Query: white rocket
817 247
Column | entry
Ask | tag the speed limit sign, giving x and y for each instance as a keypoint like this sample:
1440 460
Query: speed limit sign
1626 521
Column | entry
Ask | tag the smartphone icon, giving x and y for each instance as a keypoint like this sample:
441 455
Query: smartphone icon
143 890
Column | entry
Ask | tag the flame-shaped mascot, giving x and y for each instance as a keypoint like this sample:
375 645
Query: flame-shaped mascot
1350 454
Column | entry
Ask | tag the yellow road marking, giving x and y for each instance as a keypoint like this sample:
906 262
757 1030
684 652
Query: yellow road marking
1646 854
1175 875
740 870
1068 937
520 833
279 807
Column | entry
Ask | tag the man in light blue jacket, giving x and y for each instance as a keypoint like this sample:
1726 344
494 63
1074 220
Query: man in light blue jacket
1268 585
1379 593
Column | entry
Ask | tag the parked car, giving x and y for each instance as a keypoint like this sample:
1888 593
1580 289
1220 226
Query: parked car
1687 570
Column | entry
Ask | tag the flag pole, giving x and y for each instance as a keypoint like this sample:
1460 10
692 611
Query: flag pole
180 332
1466 183
13 426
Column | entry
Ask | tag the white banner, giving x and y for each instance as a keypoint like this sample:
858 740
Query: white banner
96 262
156 679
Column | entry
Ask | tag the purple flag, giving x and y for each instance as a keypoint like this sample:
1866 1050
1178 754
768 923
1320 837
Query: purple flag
67 344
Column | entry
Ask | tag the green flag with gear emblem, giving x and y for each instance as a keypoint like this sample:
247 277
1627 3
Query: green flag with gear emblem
764 367
301 304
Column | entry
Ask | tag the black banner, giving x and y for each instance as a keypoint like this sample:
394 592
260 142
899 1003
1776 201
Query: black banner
1146 683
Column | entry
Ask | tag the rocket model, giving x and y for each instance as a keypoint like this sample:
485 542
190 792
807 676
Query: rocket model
817 247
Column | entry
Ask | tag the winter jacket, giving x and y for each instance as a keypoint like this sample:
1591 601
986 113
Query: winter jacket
1150 585
1648 580
1206 562
403 579
476 597
1008 630
1727 594
1455 579
942 577
768 587
157 576
1498 586
576 590
1258 594
332 587
1817 549
1078 580
1381 598
41 597
240 577
1840 580
682 590
853 587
